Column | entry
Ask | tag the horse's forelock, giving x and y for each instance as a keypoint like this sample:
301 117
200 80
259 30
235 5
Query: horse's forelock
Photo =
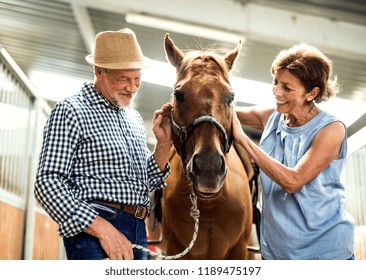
207 61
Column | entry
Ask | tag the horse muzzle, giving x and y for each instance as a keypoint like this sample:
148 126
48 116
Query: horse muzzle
207 171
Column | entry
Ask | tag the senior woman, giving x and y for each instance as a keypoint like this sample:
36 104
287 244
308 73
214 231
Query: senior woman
300 155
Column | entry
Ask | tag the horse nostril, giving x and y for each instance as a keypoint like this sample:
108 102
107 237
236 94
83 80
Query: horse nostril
196 165
223 165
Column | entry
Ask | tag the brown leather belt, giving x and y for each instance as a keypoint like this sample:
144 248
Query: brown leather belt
139 211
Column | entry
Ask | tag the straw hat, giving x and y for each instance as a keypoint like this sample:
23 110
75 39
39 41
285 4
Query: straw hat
118 50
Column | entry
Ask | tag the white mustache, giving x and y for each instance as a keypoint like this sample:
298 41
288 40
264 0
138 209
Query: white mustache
125 93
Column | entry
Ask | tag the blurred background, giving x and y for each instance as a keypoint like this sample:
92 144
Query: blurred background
43 44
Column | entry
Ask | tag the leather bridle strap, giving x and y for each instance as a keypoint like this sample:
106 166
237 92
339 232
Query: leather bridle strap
184 131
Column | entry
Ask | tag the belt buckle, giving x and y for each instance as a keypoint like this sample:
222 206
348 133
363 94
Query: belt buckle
141 212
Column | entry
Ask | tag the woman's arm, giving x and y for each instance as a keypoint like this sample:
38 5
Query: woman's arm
323 150
254 116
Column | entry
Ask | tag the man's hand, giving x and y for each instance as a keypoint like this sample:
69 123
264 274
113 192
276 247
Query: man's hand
163 133
162 125
113 242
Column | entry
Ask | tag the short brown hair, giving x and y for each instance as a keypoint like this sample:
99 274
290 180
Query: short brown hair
311 67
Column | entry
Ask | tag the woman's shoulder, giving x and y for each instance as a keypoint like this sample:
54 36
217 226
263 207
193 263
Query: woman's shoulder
327 121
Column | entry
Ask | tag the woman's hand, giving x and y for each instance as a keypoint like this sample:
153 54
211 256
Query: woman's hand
238 132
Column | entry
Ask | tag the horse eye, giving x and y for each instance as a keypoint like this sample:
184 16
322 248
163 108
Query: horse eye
179 95
230 98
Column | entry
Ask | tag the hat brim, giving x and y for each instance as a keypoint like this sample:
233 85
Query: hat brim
146 62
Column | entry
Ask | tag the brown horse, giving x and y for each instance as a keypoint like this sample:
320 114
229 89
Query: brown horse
204 162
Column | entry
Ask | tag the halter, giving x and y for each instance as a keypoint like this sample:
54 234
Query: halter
184 131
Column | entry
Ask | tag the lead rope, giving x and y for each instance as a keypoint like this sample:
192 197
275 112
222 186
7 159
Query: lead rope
195 214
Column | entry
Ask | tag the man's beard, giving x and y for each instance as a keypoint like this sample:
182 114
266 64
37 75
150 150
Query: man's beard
121 103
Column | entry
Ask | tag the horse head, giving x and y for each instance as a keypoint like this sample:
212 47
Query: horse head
202 114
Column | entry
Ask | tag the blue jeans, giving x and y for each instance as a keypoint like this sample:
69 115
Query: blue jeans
87 247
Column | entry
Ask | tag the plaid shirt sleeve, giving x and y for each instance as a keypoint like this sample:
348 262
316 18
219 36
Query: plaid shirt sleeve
156 176
52 186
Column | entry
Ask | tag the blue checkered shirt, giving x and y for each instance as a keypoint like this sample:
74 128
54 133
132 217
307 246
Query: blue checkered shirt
93 150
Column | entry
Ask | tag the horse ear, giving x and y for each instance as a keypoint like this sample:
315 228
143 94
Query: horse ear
173 54
231 57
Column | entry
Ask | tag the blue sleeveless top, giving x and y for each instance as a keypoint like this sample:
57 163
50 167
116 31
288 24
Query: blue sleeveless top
311 223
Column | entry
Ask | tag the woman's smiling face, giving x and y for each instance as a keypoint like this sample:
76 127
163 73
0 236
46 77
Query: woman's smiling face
289 92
